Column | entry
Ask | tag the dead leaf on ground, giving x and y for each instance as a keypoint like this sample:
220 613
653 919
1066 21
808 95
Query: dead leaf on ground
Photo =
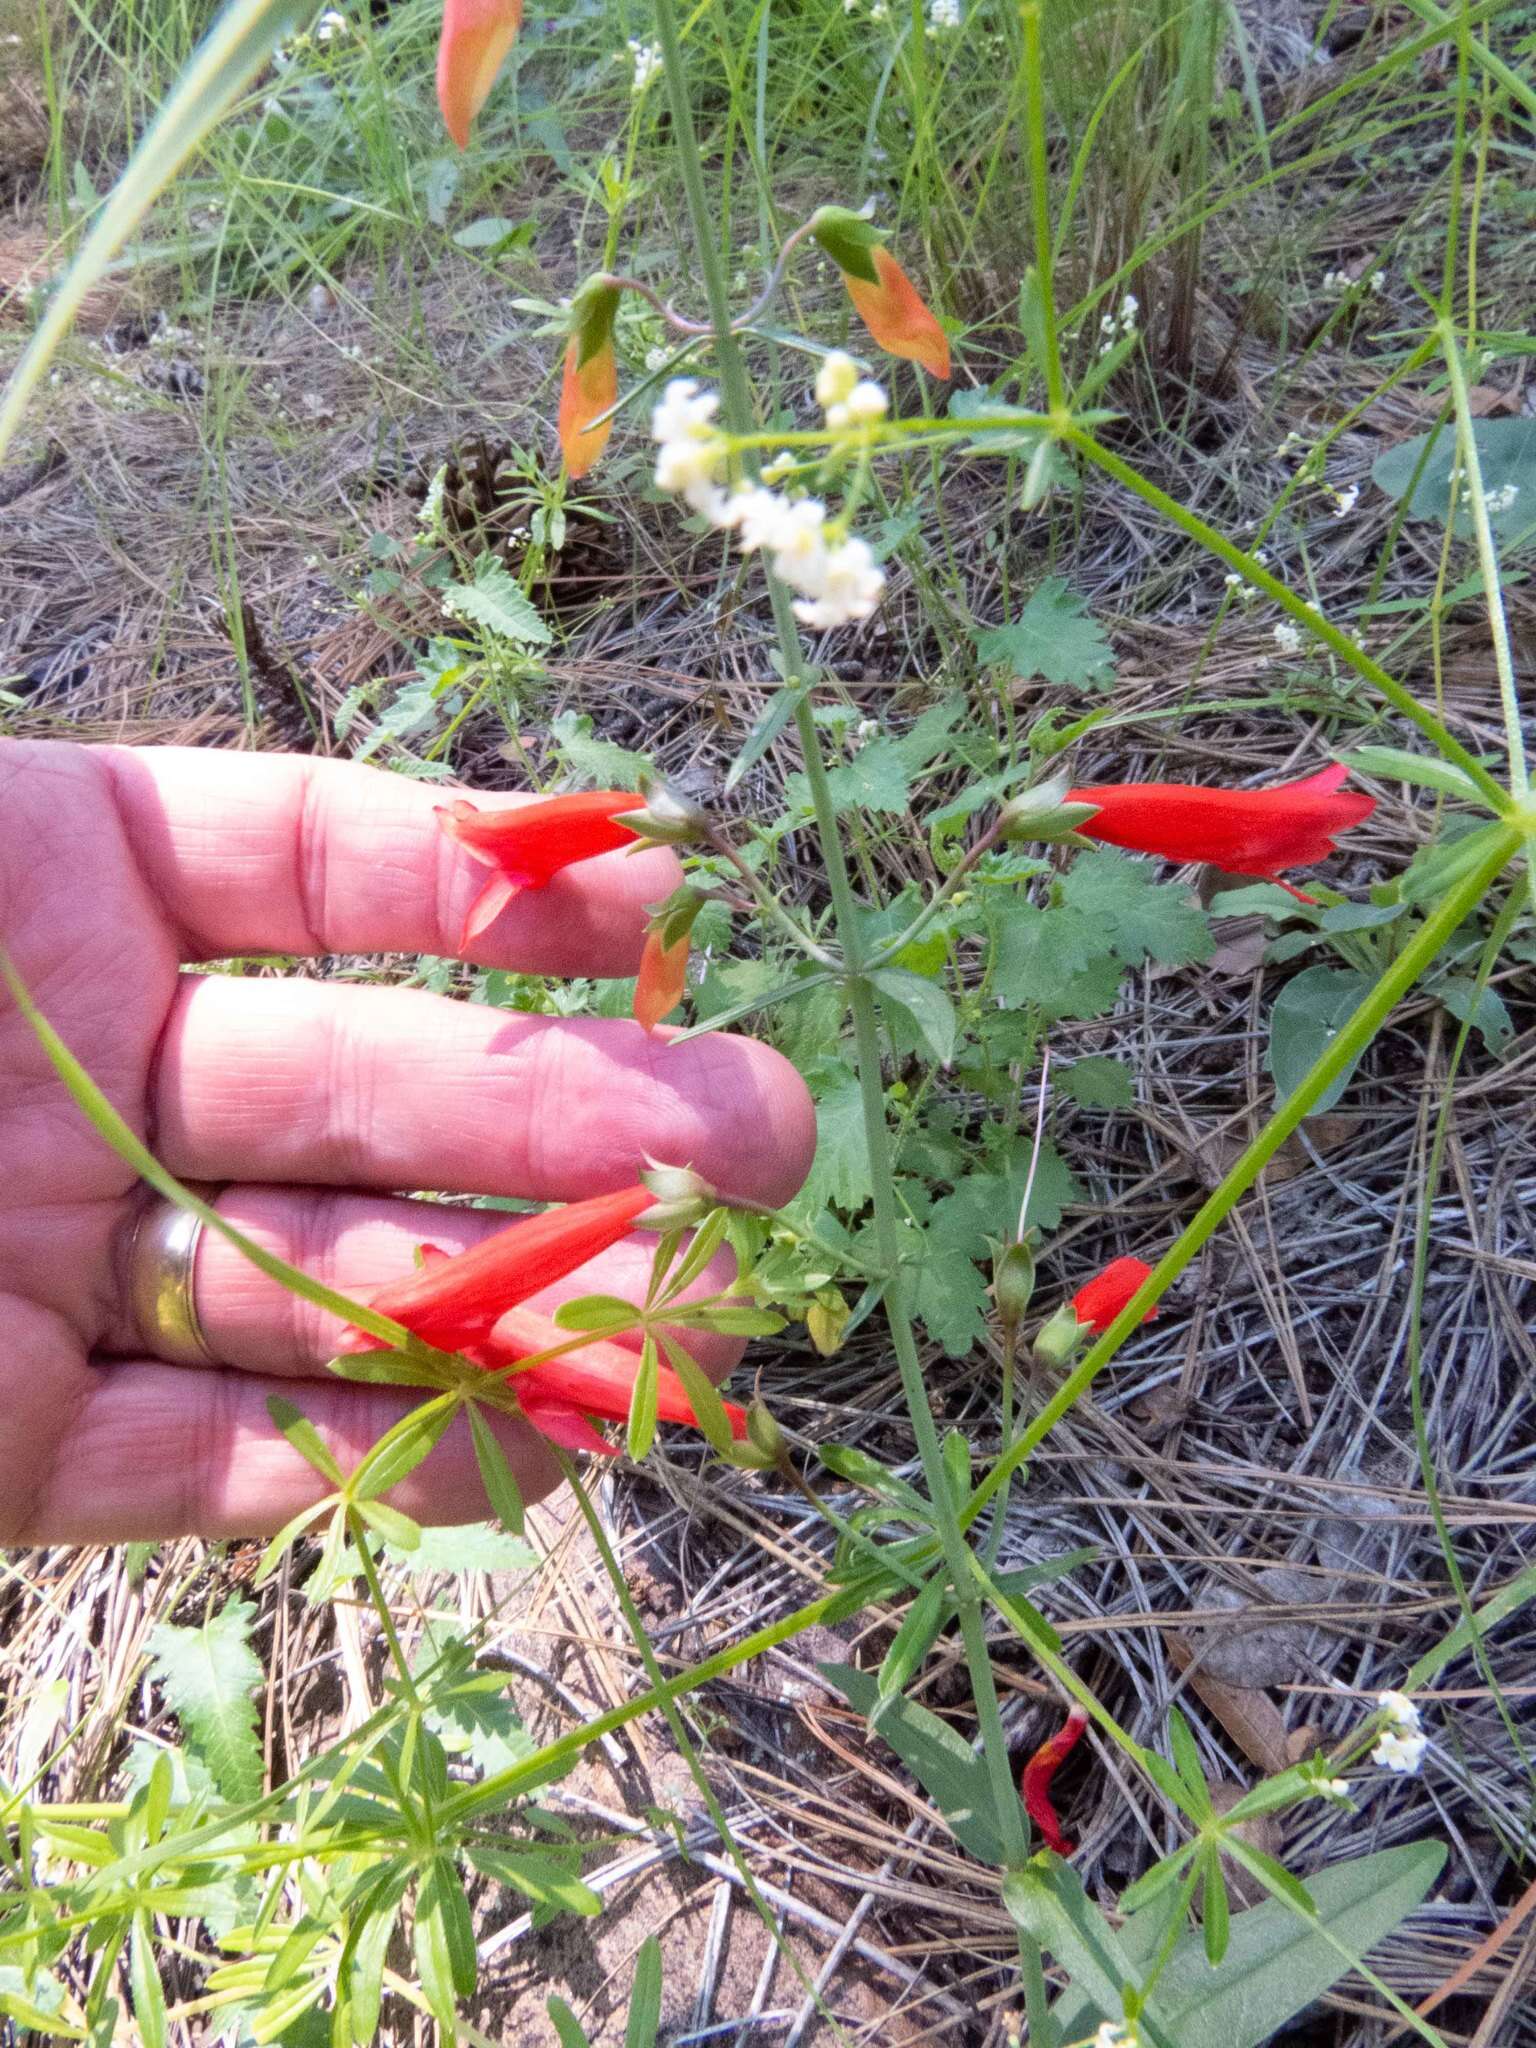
1251 1718
1220 1152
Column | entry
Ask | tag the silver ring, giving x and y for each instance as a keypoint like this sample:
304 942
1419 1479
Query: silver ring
162 1266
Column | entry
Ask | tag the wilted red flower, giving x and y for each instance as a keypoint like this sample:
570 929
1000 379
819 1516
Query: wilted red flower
531 844
662 980
598 1380
1035 1783
473 46
590 386
1243 831
455 1302
1101 1299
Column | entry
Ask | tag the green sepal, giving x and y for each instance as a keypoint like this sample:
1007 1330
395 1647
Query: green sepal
593 312
847 237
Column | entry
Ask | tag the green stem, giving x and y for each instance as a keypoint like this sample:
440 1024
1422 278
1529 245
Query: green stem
739 419
1349 1042
1040 206
1445 743
1488 562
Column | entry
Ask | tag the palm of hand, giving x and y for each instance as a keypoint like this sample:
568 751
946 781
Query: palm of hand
301 1096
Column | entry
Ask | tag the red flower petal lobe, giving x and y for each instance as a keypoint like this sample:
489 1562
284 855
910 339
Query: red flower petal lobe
1101 1299
1035 1783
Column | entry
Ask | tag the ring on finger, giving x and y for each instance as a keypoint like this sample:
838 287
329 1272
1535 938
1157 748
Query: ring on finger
162 1266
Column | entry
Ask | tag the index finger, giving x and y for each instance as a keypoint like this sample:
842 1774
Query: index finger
282 853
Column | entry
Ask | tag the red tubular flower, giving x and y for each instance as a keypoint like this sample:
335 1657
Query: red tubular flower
591 382
473 46
455 1302
1101 1300
883 295
894 312
529 845
662 980
598 1380
1243 831
1035 1782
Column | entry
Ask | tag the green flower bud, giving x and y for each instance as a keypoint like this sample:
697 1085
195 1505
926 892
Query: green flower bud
1062 1337
1013 1283
765 1435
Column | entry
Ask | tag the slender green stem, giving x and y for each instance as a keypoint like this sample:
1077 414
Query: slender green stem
357 1530
1445 742
1349 1042
1488 562
1040 206
770 906
739 419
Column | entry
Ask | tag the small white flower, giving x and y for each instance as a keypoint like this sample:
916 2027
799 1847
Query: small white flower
1117 2034
331 25
1378 280
879 11
759 517
1345 501
1287 639
1400 1753
684 413
1331 1788
943 15
836 379
647 60
1337 282
1501 499
782 465
656 358
848 587
798 544
865 404
1401 1744
682 467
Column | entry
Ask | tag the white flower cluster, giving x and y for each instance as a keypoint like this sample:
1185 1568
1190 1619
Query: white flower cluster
1287 637
1402 1743
1114 326
837 578
331 25
1503 498
646 58
1339 282
942 16
847 399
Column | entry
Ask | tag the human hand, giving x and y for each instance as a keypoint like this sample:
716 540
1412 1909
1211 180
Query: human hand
312 1100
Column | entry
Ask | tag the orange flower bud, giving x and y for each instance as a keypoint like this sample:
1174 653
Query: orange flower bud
476 36
590 386
882 293
895 314
663 978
